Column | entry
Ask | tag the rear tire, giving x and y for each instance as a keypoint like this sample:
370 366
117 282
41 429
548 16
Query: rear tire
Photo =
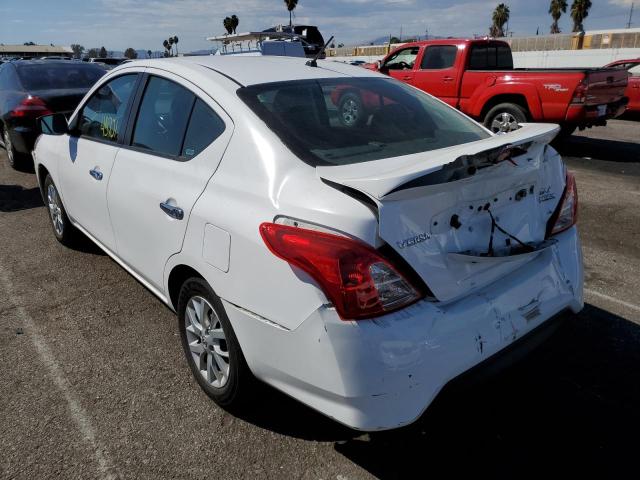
505 118
211 347
63 230
17 160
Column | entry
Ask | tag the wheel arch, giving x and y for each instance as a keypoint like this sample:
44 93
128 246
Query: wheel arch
515 98
178 275
41 175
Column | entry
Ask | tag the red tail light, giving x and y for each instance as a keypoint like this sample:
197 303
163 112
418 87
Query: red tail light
566 215
580 93
32 107
356 279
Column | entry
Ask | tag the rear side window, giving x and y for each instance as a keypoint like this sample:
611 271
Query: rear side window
102 116
56 76
438 57
163 117
489 57
204 127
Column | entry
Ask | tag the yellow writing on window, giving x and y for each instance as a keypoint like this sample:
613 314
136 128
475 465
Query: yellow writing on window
109 127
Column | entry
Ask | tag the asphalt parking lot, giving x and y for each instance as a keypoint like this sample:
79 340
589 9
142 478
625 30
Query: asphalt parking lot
93 383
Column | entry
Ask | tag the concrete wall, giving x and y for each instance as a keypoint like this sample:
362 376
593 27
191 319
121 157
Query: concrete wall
551 59
573 58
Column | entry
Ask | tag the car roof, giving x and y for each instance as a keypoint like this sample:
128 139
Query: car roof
48 63
245 70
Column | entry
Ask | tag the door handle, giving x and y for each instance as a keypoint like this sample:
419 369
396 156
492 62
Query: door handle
448 79
97 174
172 210
407 77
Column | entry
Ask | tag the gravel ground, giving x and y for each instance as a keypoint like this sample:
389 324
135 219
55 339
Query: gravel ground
93 383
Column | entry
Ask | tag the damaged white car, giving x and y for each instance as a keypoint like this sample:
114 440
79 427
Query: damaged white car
359 267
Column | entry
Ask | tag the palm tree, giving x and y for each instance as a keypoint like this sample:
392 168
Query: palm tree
556 9
167 47
175 41
580 11
500 17
235 21
149 53
227 22
291 6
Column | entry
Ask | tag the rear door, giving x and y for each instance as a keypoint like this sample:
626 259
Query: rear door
85 167
437 73
172 150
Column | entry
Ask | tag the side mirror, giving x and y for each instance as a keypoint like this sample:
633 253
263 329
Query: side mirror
55 124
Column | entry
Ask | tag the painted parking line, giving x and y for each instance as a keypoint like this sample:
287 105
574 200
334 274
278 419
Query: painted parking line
106 469
628 305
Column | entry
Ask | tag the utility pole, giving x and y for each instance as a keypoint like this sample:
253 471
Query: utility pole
630 16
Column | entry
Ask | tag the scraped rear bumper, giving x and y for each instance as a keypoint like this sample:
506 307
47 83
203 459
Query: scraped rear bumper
383 373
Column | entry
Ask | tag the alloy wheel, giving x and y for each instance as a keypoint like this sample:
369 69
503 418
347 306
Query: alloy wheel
8 147
350 112
504 122
55 209
207 341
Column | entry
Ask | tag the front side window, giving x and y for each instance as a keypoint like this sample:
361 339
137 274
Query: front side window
163 117
356 120
402 59
438 57
103 116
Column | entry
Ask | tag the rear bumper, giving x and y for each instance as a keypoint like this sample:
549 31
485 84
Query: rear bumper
23 139
383 373
590 115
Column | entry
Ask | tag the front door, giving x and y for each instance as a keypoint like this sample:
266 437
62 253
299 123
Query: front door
87 165
400 64
176 145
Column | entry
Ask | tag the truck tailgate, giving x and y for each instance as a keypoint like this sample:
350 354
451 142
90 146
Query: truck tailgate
605 85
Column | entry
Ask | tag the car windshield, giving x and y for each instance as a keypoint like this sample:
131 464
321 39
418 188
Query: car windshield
355 120
59 76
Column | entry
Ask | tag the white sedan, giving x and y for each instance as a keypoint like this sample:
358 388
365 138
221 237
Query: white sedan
357 266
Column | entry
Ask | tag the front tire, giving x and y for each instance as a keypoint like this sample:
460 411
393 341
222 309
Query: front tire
505 118
210 345
351 110
63 230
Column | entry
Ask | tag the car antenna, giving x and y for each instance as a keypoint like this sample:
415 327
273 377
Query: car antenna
314 61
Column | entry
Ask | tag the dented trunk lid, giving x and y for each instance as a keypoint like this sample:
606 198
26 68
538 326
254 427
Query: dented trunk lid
435 208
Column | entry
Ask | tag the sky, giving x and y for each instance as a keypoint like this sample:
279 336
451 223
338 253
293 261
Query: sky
144 24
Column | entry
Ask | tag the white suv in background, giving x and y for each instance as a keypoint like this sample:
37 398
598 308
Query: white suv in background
358 268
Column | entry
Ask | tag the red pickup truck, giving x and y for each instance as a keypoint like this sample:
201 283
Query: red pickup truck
633 89
477 77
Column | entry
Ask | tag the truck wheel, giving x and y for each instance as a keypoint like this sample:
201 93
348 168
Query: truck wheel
351 110
505 118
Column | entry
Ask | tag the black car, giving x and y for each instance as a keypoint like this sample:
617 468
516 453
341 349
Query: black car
30 89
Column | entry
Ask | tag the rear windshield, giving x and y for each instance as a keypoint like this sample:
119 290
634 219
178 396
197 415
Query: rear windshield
59 76
355 120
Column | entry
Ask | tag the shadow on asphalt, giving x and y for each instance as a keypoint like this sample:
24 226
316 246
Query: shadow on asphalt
14 198
571 406
597 148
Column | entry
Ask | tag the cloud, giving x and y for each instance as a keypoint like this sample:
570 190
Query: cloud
144 24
